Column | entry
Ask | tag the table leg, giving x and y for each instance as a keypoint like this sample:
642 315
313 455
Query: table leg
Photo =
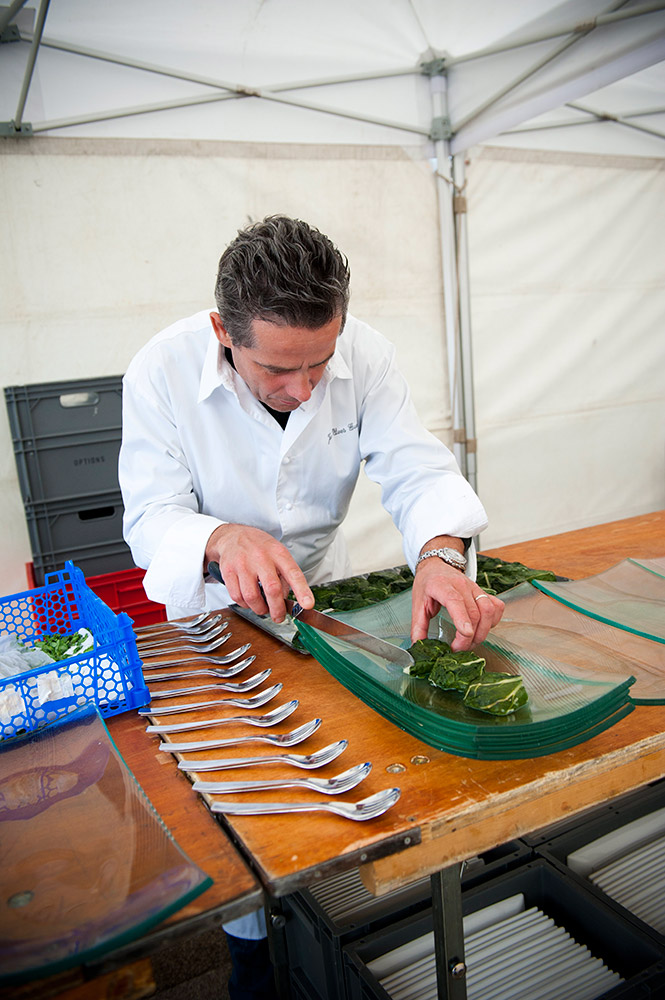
449 933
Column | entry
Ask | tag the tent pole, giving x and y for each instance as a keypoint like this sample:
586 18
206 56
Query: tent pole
531 71
465 340
29 69
444 190
610 17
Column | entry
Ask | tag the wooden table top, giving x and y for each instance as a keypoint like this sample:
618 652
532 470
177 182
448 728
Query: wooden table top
451 807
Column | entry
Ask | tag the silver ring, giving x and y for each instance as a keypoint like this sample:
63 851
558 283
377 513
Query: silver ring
479 597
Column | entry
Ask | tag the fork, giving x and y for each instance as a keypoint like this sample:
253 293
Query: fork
369 808
204 643
218 661
255 701
305 760
269 719
203 672
343 782
277 739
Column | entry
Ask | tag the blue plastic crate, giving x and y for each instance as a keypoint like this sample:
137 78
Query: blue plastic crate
109 675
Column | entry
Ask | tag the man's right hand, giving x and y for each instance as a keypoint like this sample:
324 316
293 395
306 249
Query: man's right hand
257 570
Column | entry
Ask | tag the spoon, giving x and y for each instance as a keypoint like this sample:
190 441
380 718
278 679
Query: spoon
217 661
237 687
343 782
269 719
277 739
197 625
304 760
255 701
204 671
369 808
197 642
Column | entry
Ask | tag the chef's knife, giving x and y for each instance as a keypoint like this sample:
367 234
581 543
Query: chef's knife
354 636
331 626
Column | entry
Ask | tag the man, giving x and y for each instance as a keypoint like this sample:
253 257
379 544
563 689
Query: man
244 431
243 435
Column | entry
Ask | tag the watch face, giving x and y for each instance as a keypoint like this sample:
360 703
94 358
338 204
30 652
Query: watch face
451 555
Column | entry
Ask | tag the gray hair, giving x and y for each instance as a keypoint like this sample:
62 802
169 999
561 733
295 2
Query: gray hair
284 271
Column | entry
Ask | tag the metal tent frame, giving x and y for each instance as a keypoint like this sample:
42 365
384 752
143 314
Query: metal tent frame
508 110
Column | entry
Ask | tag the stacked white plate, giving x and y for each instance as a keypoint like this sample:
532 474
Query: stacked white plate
629 865
511 953
344 898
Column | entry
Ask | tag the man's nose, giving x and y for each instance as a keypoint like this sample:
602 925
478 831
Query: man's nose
300 386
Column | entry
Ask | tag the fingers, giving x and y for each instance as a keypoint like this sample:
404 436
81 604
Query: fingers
488 614
258 571
472 611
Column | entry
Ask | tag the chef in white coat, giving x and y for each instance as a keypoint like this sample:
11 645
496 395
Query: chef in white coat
245 429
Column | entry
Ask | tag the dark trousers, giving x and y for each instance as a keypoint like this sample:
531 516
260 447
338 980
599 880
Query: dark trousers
252 976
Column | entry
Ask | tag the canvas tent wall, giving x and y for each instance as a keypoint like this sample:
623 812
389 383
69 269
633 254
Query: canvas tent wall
114 224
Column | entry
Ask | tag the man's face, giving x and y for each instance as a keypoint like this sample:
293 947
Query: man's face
285 364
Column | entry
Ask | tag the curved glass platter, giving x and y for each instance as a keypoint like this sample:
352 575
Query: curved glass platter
656 565
590 648
87 863
562 710
628 596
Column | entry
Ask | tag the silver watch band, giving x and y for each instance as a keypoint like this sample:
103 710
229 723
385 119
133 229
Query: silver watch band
450 556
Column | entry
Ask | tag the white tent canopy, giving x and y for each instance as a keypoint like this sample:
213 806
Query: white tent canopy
493 171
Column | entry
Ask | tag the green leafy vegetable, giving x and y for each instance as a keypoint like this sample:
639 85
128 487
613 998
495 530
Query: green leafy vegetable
484 691
498 694
61 647
495 575
361 591
455 671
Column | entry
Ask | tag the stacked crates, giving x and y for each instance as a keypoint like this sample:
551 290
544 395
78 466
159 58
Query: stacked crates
534 925
66 438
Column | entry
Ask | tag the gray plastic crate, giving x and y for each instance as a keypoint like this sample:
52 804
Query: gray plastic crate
66 437
637 806
315 930
87 532
616 941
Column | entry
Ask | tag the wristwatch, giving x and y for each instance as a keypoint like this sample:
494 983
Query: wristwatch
450 556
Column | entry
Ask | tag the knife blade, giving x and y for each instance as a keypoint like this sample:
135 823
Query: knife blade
356 637
331 626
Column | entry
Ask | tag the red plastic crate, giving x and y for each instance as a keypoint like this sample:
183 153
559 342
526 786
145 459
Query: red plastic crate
120 591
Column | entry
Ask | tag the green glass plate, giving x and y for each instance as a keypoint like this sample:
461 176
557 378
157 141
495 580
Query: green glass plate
88 864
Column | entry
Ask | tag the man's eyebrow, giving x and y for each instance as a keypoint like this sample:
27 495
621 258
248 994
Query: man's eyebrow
276 368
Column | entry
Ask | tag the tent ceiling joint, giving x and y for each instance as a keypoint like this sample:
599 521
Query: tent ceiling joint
434 67
441 129
10 34
21 131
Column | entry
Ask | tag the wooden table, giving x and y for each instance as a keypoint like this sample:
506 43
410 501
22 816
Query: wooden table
451 808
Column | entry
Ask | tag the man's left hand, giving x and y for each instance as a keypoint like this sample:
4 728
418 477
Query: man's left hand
472 611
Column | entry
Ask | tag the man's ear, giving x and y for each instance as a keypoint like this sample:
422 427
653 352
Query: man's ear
220 330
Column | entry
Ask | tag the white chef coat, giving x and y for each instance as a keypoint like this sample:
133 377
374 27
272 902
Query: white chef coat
198 450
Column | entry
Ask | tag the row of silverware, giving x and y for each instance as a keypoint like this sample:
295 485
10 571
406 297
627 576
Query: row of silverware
204 636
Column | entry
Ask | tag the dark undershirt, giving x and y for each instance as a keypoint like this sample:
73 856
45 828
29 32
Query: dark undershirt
281 418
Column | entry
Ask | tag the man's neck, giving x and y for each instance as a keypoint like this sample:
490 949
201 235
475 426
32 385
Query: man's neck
281 418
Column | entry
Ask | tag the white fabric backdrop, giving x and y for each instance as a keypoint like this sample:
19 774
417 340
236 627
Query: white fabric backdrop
107 241
568 298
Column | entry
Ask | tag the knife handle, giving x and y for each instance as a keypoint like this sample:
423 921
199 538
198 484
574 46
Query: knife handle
215 572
